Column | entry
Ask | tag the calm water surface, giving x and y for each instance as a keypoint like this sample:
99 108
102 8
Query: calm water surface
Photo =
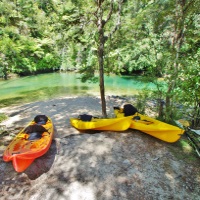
63 84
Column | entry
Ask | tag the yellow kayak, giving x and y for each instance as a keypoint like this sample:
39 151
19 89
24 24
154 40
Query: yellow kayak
112 124
153 127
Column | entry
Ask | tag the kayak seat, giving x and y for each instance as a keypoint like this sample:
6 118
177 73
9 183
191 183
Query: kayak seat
41 119
35 128
35 136
85 117
129 110
136 118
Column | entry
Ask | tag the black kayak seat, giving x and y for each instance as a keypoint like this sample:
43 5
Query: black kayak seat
85 117
41 122
35 128
41 119
35 136
129 110
136 118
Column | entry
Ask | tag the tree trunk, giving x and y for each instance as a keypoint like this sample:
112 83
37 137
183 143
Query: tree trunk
101 67
176 46
100 22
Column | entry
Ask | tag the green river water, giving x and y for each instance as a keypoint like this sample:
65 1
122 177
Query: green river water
47 86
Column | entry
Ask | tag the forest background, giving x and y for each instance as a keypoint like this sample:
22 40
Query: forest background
158 38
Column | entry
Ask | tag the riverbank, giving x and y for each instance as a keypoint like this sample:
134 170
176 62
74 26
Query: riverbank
56 85
104 165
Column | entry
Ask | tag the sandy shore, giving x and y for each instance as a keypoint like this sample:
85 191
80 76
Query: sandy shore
59 110
103 166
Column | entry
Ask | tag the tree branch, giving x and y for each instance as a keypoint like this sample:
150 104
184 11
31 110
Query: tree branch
118 19
110 12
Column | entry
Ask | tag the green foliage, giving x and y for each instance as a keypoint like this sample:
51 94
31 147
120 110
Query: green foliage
25 39
158 38
88 74
142 99
3 117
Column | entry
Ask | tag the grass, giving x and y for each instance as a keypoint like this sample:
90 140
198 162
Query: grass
3 117
187 152
44 93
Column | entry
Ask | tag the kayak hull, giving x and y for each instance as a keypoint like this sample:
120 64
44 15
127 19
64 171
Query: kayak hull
112 124
155 128
22 152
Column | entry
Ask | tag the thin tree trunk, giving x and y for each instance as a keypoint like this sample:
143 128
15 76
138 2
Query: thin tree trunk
101 67
101 21
176 46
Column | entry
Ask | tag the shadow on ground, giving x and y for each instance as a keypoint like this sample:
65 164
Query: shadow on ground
102 165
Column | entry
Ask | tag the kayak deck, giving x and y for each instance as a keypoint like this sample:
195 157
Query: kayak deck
112 124
22 151
153 127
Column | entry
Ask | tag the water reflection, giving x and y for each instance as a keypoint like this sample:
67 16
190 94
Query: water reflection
50 85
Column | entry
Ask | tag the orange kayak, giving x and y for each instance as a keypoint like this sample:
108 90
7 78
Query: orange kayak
30 143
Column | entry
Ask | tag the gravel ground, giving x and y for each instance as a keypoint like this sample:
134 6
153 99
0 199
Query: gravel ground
97 165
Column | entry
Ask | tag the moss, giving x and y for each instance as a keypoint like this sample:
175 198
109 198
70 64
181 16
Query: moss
183 150
42 94
3 117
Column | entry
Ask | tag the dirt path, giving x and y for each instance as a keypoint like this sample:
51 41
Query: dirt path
104 165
